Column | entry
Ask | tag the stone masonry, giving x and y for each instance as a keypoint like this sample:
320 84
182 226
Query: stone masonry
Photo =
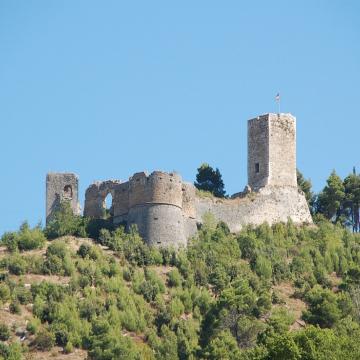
61 187
167 211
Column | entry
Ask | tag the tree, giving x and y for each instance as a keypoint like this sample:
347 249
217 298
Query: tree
208 179
305 186
64 222
352 200
323 309
330 200
223 346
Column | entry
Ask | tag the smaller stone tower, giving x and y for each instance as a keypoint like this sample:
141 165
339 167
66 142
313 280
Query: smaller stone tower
272 151
61 187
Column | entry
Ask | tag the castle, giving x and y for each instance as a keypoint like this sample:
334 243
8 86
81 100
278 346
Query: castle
167 210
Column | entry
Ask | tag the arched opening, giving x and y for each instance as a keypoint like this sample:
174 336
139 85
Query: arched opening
108 210
67 192
108 201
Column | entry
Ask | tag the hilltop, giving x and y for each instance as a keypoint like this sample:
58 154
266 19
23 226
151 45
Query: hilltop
268 292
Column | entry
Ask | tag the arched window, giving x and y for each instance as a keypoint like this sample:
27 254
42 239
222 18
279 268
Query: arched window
67 193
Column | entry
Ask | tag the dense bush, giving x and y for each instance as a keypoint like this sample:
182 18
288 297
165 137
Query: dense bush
12 351
4 332
24 239
58 259
44 340
4 292
64 222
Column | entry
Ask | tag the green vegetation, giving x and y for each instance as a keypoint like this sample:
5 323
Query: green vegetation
210 180
24 239
338 202
214 300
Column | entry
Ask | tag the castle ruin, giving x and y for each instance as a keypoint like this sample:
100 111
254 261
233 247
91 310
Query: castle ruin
167 211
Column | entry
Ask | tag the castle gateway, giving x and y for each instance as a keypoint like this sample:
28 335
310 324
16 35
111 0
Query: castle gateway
167 211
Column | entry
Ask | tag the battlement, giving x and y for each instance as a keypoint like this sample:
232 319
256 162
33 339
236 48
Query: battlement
157 188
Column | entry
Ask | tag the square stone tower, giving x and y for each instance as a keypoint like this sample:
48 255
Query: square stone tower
61 187
272 151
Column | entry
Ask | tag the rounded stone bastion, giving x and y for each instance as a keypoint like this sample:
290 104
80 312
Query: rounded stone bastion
155 206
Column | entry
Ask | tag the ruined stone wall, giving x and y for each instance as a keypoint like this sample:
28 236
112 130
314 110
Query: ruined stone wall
95 196
61 187
121 200
258 152
188 200
270 204
282 150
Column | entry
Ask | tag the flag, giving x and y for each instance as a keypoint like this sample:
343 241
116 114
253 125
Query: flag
277 97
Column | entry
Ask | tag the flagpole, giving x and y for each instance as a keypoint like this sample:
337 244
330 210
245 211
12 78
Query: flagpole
279 106
277 99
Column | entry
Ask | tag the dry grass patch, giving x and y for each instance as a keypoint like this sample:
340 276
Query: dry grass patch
57 354
296 306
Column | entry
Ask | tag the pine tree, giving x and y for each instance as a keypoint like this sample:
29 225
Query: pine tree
208 179
352 200
330 201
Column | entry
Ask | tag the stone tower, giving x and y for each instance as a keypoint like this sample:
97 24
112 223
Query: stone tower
61 187
155 206
272 151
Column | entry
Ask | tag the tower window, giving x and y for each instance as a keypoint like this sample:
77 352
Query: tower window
257 168
67 193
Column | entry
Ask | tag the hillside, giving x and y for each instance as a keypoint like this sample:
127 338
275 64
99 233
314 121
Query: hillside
280 292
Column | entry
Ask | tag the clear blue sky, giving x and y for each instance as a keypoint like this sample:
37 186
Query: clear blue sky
108 88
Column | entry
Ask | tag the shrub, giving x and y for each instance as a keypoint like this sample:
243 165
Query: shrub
10 352
84 250
152 286
14 307
64 222
24 239
44 340
4 292
17 265
68 348
280 319
263 267
174 278
323 307
4 332
58 260
223 346
33 326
